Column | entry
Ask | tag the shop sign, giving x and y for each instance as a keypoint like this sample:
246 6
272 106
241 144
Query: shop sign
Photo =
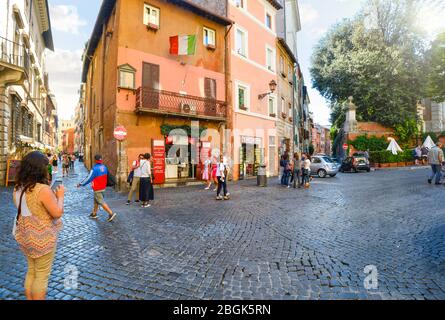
158 154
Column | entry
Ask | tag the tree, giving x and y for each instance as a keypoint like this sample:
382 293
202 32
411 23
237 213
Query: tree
377 57
436 74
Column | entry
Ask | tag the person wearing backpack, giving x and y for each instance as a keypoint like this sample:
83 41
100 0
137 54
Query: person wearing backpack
38 222
98 178
286 171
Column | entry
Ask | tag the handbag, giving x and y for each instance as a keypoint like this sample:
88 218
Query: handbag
130 177
35 237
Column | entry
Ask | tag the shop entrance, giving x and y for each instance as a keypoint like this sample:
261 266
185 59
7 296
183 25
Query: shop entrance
251 156
179 164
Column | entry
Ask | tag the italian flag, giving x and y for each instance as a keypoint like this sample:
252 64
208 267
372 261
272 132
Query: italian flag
183 45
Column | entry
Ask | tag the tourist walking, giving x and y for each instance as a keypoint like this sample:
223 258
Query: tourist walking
206 174
72 159
135 180
98 178
286 171
296 171
55 164
306 171
146 191
214 171
38 222
222 173
65 165
435 159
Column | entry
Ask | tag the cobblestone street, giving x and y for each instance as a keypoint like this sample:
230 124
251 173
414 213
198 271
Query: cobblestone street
265 243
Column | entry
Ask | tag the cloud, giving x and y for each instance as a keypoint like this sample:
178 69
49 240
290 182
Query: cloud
66 19
308 13
64 68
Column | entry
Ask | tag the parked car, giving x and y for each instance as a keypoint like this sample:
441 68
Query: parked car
358 162
323 166
337 161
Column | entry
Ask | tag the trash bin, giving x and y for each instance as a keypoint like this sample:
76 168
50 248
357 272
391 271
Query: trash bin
262 177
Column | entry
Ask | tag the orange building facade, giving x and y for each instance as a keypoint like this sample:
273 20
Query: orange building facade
132 80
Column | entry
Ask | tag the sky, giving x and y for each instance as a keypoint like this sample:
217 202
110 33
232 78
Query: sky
73 21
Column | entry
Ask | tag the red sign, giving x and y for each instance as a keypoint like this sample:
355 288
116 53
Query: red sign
120 133
158 153
345 146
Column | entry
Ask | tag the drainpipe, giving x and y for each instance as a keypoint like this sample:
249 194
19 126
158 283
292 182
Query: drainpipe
228 91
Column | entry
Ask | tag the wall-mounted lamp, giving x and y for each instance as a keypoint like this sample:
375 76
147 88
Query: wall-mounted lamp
272 87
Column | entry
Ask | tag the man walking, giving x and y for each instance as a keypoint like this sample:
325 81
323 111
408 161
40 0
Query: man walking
435 159
222 173
98 179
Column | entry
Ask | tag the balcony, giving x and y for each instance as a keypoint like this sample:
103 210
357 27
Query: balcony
14 62
171 103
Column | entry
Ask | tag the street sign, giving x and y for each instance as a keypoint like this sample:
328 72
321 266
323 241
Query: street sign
345 146
120 133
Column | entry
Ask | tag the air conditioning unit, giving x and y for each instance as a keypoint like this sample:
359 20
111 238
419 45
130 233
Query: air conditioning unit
188 108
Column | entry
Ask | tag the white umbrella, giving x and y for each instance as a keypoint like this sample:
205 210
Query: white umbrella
394 146
429 143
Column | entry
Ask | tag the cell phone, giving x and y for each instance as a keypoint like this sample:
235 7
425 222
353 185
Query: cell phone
56 184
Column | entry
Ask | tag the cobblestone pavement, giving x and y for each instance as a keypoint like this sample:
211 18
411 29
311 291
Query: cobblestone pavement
265 243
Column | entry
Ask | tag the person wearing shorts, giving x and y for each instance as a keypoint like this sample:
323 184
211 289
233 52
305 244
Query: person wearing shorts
98 178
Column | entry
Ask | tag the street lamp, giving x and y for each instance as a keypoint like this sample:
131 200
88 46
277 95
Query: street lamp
272 87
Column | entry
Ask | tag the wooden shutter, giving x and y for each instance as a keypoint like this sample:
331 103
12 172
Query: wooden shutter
210 94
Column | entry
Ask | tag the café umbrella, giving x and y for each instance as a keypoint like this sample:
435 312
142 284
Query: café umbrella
394 146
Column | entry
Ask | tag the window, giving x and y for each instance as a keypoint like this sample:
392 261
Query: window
209 37
283 106
269 21
240 4
272 106
282 66
151 16
270 58
290 110
39 132
127 76
241 42
242 97
290 72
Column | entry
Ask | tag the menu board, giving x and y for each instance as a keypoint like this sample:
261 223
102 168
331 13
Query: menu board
12 170
158 153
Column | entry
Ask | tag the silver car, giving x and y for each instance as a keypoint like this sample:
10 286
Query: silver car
323 166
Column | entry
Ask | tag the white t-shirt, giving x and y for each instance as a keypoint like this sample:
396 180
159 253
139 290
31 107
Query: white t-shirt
220 169
145 168
137 171
307 164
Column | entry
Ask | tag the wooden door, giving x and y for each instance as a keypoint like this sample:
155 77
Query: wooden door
150 84
210 95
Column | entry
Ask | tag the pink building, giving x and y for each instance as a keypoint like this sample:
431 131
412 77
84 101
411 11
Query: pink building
253 69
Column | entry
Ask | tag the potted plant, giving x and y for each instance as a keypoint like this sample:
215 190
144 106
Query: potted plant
283 115
273 115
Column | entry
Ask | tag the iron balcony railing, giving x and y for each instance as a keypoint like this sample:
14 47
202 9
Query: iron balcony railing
166 102
15 54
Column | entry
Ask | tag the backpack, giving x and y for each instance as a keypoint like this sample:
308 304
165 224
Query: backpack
281 163
111 180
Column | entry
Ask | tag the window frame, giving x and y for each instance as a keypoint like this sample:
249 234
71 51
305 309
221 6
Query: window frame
272 66
246 89
208 45
154 26
274 102
126 68
245 42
